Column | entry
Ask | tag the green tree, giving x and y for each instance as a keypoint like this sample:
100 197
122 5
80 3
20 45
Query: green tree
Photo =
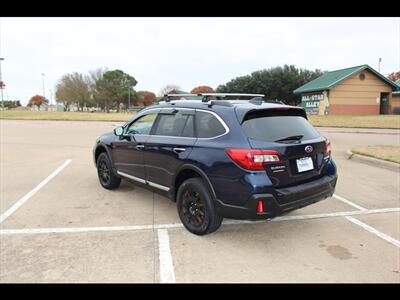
275 83
12 103
114 88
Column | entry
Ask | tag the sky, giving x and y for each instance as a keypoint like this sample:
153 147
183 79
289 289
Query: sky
186 51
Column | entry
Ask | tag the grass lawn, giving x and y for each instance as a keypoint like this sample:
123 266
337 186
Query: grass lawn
389 153
386 121
64 116
378 121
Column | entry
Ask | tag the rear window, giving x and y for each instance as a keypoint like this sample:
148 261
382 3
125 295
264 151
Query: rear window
273 128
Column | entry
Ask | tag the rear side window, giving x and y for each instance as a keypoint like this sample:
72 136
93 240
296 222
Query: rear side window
273 128
177 124
207 125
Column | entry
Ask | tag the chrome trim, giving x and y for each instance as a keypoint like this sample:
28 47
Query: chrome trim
227 130
131 177
230 94
159 186
180 95
215 94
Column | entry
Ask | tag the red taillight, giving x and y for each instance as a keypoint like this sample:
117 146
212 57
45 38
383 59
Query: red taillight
251 159
328 148
260 207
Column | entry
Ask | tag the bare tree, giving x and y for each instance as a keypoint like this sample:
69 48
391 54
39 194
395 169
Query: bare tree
168 89
93 78
73 88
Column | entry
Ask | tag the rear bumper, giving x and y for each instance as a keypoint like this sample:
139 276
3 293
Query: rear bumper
282 200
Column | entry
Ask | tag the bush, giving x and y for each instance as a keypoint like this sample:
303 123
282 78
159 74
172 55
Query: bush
396 110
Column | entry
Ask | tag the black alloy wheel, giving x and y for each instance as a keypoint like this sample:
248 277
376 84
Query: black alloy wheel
106 175
196 207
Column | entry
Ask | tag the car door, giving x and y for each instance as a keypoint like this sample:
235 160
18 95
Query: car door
170 143
128 149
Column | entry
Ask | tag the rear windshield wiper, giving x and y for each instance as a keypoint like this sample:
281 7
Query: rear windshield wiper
291 138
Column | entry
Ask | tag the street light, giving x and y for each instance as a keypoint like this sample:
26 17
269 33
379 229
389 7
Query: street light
129 97
128 85
379 65
51 96
2 85
43 84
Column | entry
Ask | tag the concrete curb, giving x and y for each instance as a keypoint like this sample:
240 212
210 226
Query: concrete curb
374 161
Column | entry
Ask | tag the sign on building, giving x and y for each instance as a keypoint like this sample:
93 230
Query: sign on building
311 103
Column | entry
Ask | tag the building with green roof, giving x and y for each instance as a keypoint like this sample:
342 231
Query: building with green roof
358 90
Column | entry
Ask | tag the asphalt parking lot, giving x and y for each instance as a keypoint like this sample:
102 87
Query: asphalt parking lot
59 225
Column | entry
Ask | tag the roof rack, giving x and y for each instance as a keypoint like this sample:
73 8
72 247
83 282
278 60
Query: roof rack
206 96
167 97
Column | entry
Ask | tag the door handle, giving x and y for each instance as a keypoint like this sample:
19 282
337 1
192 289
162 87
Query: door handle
140 147
179 150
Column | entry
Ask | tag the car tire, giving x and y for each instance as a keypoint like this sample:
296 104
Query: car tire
106 175
196 207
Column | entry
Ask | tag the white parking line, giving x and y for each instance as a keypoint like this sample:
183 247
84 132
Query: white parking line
348 202
25 198
167 274
316 216
374 231
366 226
30 231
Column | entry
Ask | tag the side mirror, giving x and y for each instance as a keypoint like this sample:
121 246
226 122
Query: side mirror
119 131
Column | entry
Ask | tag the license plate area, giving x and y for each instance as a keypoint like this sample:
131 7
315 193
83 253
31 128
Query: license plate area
304 164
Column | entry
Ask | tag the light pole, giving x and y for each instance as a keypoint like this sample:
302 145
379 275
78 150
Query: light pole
129 97
43 85
128 85
379 66
2 84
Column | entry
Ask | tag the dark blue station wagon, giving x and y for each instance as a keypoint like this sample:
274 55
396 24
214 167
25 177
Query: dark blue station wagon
241 159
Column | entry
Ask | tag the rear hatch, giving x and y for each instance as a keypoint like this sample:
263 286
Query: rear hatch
302 150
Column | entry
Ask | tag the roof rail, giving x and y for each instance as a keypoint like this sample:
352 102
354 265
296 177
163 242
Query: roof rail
167 97
206 96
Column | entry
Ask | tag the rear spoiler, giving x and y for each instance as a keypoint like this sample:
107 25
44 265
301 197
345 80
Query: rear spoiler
280 110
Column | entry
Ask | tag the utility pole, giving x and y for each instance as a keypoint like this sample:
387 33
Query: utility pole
379 66
2 84
51 97
129 98
43 85
128 85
